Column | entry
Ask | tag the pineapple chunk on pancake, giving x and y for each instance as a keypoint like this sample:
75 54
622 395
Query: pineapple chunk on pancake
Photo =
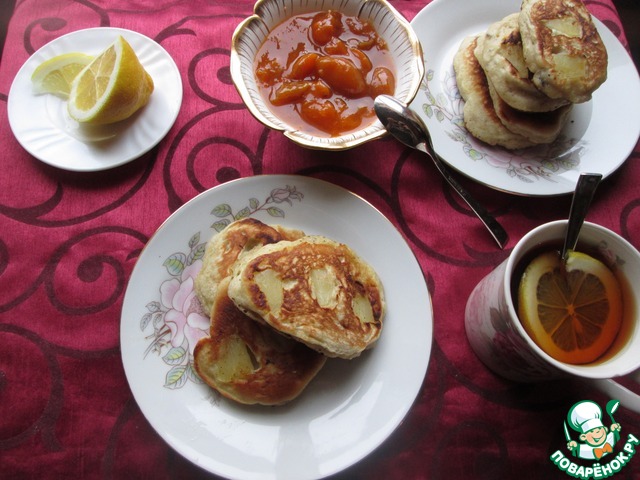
563 48
224 249
314 290
249 362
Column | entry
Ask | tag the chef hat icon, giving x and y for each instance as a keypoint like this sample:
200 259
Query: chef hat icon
585 416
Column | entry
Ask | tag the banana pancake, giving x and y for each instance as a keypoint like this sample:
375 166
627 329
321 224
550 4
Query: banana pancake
563 48
480 117
499 52
224 249
249 362
314 290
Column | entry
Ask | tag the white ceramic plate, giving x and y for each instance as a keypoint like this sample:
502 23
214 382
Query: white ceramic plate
348 409
44 128
598 138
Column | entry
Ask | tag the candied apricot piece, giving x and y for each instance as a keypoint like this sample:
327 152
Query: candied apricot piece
336 47
321 90
365 61
321 114
359 27
342 75
382 82
354 120
367 44
304 66
291 92
325 26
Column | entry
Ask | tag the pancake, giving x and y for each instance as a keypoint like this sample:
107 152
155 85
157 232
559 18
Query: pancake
224 249
537 127
314 290
249 362
562 48
480 117
499 52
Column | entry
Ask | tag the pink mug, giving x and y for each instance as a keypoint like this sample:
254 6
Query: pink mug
502 344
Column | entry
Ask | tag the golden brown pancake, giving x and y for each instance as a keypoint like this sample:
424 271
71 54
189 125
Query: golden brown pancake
480 117
224 249
563 48
499 52
250 362
314 290
537 127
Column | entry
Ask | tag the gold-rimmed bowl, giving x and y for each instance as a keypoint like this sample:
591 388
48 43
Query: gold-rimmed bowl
396 31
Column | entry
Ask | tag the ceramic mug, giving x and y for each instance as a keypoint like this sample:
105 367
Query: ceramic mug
501 342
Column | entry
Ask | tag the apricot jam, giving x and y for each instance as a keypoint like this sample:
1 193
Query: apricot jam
320 72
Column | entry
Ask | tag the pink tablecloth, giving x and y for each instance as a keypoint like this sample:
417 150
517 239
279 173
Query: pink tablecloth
69 242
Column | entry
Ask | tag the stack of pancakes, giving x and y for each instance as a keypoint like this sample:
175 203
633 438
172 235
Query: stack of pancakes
280 302
521 77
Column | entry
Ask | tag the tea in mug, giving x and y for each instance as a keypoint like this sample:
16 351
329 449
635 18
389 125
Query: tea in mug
573 310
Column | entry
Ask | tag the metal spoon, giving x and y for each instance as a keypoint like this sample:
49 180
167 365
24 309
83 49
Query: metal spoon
582 196
402 122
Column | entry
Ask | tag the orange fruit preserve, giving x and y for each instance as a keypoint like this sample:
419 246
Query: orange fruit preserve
320 72
574 311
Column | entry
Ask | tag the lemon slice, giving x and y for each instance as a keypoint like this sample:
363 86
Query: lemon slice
56 74
111 88
573 314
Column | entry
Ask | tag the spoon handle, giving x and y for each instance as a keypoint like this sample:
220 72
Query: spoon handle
405 125
582 196
496 230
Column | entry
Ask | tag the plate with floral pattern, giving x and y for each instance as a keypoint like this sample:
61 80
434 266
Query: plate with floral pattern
599 135
347 410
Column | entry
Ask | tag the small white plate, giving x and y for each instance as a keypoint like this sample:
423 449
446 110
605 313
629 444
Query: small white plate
599 135
44 128
347 410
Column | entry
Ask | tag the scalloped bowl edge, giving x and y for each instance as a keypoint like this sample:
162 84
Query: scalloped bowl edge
389 23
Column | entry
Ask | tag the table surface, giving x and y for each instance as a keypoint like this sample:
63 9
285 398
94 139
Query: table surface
69 242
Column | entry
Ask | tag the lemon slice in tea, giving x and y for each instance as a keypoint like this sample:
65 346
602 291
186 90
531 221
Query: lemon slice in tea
572 313
56 74
111 88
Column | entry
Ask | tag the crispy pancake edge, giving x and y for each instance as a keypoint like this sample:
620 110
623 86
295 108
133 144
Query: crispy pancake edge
480 118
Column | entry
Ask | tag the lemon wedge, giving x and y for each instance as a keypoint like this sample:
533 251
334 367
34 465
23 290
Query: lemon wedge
56 74
111 88
572 313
